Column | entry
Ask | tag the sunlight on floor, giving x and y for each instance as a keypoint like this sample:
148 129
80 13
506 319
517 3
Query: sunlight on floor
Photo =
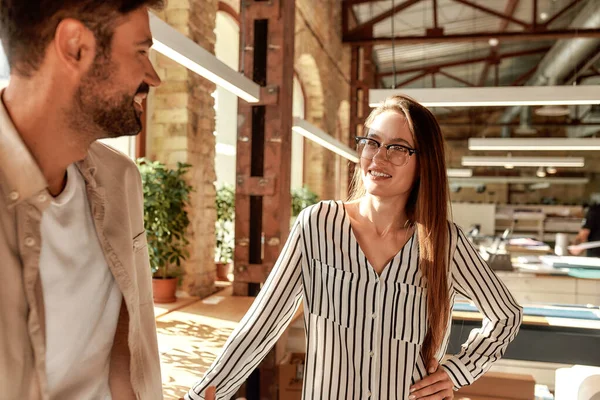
191 336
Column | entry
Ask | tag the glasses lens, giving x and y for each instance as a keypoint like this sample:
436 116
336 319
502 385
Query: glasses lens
398 155
367 148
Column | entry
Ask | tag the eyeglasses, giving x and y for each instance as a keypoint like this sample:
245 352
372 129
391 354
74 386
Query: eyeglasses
397 154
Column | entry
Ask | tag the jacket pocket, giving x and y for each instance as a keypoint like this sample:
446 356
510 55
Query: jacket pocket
333 293
409 321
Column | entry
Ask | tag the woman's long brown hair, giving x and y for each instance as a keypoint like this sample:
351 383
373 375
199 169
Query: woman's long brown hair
427 207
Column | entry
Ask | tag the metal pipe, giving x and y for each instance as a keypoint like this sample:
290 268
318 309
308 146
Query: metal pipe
565 55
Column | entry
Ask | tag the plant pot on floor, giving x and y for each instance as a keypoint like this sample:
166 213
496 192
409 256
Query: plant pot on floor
223 271
164 290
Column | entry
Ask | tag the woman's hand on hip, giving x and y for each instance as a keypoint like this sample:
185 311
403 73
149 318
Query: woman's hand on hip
436 386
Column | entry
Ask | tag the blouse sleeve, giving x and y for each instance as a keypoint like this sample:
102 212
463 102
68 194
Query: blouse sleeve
262 325
475 280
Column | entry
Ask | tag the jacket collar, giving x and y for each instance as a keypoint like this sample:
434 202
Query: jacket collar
20 175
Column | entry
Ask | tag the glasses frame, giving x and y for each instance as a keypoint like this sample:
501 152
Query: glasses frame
387 147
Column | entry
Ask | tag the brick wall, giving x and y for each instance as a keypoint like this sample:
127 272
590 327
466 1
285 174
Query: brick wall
181 129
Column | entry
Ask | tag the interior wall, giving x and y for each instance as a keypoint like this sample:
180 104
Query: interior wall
181 128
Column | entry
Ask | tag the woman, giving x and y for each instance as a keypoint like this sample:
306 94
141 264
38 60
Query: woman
376 282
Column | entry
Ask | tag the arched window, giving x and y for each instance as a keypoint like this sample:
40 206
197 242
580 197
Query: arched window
298 108
227 48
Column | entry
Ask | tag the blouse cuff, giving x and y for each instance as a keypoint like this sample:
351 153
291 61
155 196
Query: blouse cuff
458 372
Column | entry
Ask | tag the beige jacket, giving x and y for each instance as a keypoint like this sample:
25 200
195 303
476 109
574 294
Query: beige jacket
115 196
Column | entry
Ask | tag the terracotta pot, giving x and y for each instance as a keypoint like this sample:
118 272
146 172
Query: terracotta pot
164 290
223 270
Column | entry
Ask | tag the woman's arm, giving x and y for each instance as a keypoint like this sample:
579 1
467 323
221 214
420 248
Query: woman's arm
474 279
262 325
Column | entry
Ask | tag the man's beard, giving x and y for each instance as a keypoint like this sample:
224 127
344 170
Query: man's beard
102 112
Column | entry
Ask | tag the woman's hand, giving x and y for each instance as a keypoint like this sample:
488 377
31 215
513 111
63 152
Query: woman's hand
436 386
210 393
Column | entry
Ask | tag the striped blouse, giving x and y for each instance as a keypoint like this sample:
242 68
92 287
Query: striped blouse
364 331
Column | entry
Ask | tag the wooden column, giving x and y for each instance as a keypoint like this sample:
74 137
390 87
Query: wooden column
263 203
362 78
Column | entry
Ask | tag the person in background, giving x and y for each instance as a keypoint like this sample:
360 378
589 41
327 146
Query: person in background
378 276
589 232
76 310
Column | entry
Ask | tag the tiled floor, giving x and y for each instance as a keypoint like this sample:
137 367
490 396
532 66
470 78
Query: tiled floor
191 334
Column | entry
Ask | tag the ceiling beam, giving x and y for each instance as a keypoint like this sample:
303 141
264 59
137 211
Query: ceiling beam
511 6
368 25
494 13
478 36
414 78
520 53
561 12
456 78
524 77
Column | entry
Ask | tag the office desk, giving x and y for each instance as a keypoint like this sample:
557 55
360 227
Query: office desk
541 338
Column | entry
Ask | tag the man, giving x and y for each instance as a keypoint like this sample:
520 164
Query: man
589 232
76 310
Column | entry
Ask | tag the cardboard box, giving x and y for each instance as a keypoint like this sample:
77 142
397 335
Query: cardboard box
501 386
291 374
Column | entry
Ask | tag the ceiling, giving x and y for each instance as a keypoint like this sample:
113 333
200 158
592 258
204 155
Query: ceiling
514 61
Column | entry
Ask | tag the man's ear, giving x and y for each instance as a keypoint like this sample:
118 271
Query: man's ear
75 45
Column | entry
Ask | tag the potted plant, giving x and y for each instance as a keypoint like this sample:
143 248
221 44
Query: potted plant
224 231
166 198
302 198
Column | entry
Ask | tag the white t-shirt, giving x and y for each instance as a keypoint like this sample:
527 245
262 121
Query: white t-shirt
82 300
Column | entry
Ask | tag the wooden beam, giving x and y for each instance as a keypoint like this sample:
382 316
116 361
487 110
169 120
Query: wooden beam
478 36
524 77
494 13
456 78
368 25
263 168
511 6
414 78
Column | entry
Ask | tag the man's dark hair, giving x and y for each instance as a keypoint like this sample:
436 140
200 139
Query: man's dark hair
28 26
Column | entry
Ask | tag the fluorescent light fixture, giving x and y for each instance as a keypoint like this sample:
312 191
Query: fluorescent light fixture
539 185
541 172
494 96
315 134
176 46
518 179
541 144
459 172
476 161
